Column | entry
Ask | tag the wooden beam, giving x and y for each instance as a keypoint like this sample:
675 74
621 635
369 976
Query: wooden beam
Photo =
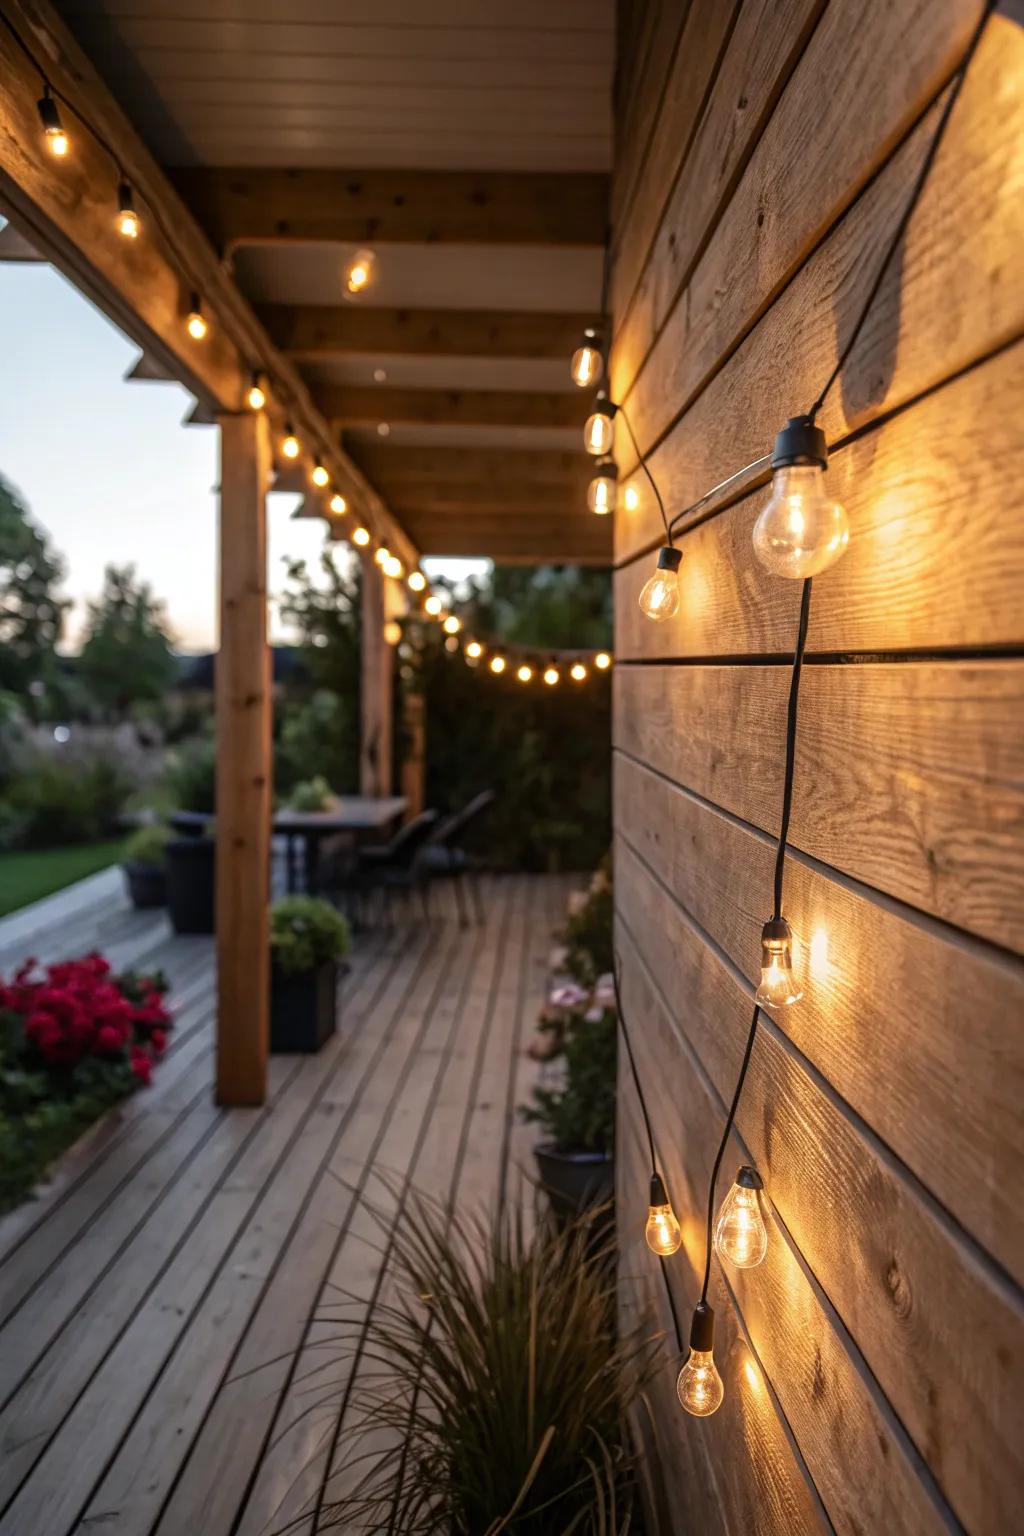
376 741
351 406
324 330
515 536
251 206
66 212
403 464
244 764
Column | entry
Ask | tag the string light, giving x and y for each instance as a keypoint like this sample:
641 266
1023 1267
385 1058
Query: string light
599 432
524 672
382 555
127 222
602 492
319 475
474 650
498 664
659 597
196 323
741 1235
778 987
452 624
290 444
256 399
663 1234
338 504
57 141
602 661
587 364
393 567
361 536
392 632
551 676
433 606
578 672
359 273
801 531
417 581
699 1386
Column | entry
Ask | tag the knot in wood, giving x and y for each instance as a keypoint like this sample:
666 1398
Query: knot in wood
899 1289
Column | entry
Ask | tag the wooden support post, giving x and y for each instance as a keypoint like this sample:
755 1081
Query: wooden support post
414 752
377 736
244 764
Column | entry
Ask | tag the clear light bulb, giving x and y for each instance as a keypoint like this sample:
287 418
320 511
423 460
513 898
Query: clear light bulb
319 476
524 673
659 599
360 272
382 555
474 650
599 432
602 492
57 141
663 1233
434 606
417 581
393 567
392 632
602 661
801 531
196 323
338 504
587 363
498 664
740 1232
778 988
256 399
128 223
290 444
452 624
551 676
361 536
699 1386
578 672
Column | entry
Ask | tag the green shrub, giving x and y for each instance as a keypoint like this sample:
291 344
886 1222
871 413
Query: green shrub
305 932
62 802
312 795
148 845
579 1116
500 1385
589 930
192 775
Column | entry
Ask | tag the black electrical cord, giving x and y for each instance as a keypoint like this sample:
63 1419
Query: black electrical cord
621 409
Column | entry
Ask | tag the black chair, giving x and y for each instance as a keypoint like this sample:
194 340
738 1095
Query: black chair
443 855
396 866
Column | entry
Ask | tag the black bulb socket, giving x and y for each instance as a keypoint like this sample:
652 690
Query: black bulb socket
749 1178
702 1329
669 559
602 405
800 442
605 468
659 1194
49 114
777 931
125 200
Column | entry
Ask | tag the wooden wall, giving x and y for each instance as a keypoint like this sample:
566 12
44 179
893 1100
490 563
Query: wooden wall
874 1364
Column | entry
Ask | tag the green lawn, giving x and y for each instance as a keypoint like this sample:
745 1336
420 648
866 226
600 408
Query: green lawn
25 877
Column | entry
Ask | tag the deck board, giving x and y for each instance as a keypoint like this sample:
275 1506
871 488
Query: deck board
164 1300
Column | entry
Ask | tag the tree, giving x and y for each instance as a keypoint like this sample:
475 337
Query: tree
31 613
126 656
318 733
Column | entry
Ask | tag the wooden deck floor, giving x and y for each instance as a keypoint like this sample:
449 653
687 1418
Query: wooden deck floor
162 1303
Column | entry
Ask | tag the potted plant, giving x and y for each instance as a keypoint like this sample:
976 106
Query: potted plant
145 865
313 794
308 939
576 1162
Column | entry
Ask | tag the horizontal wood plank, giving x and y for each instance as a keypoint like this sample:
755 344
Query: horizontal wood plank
909 777
352 405
317 331
518 535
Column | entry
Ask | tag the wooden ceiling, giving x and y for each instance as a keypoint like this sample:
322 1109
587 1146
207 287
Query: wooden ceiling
467 142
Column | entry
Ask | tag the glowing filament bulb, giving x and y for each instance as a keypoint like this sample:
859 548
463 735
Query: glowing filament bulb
599 432
393 567
699 1386
434 606
57 141
663 1233
474 650
417 581
659 599
392 632
801 531
452 624
587 363
338 504
740 1232
602 661
361 536
290 445
602 492
382 555
319 476
360 272
127 219
778 986
256 399
551 676
578 672
524 673
498 664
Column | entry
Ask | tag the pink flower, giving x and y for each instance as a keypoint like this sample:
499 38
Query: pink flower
569 996
604 991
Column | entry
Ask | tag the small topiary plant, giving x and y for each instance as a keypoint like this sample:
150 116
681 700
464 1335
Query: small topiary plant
305 933
148 845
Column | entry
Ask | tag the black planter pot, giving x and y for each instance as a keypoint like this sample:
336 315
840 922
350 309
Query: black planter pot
573 1181
190 884
303 1010
147 884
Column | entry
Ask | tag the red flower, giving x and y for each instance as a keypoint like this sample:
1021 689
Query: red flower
158 1040
141 1066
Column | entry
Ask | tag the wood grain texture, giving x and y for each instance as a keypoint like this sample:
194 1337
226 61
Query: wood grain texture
910 777
785 202
244 764
376 701
351 405
902 1288
247 206
950 298
517 535
323 330
935 499
882 1015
